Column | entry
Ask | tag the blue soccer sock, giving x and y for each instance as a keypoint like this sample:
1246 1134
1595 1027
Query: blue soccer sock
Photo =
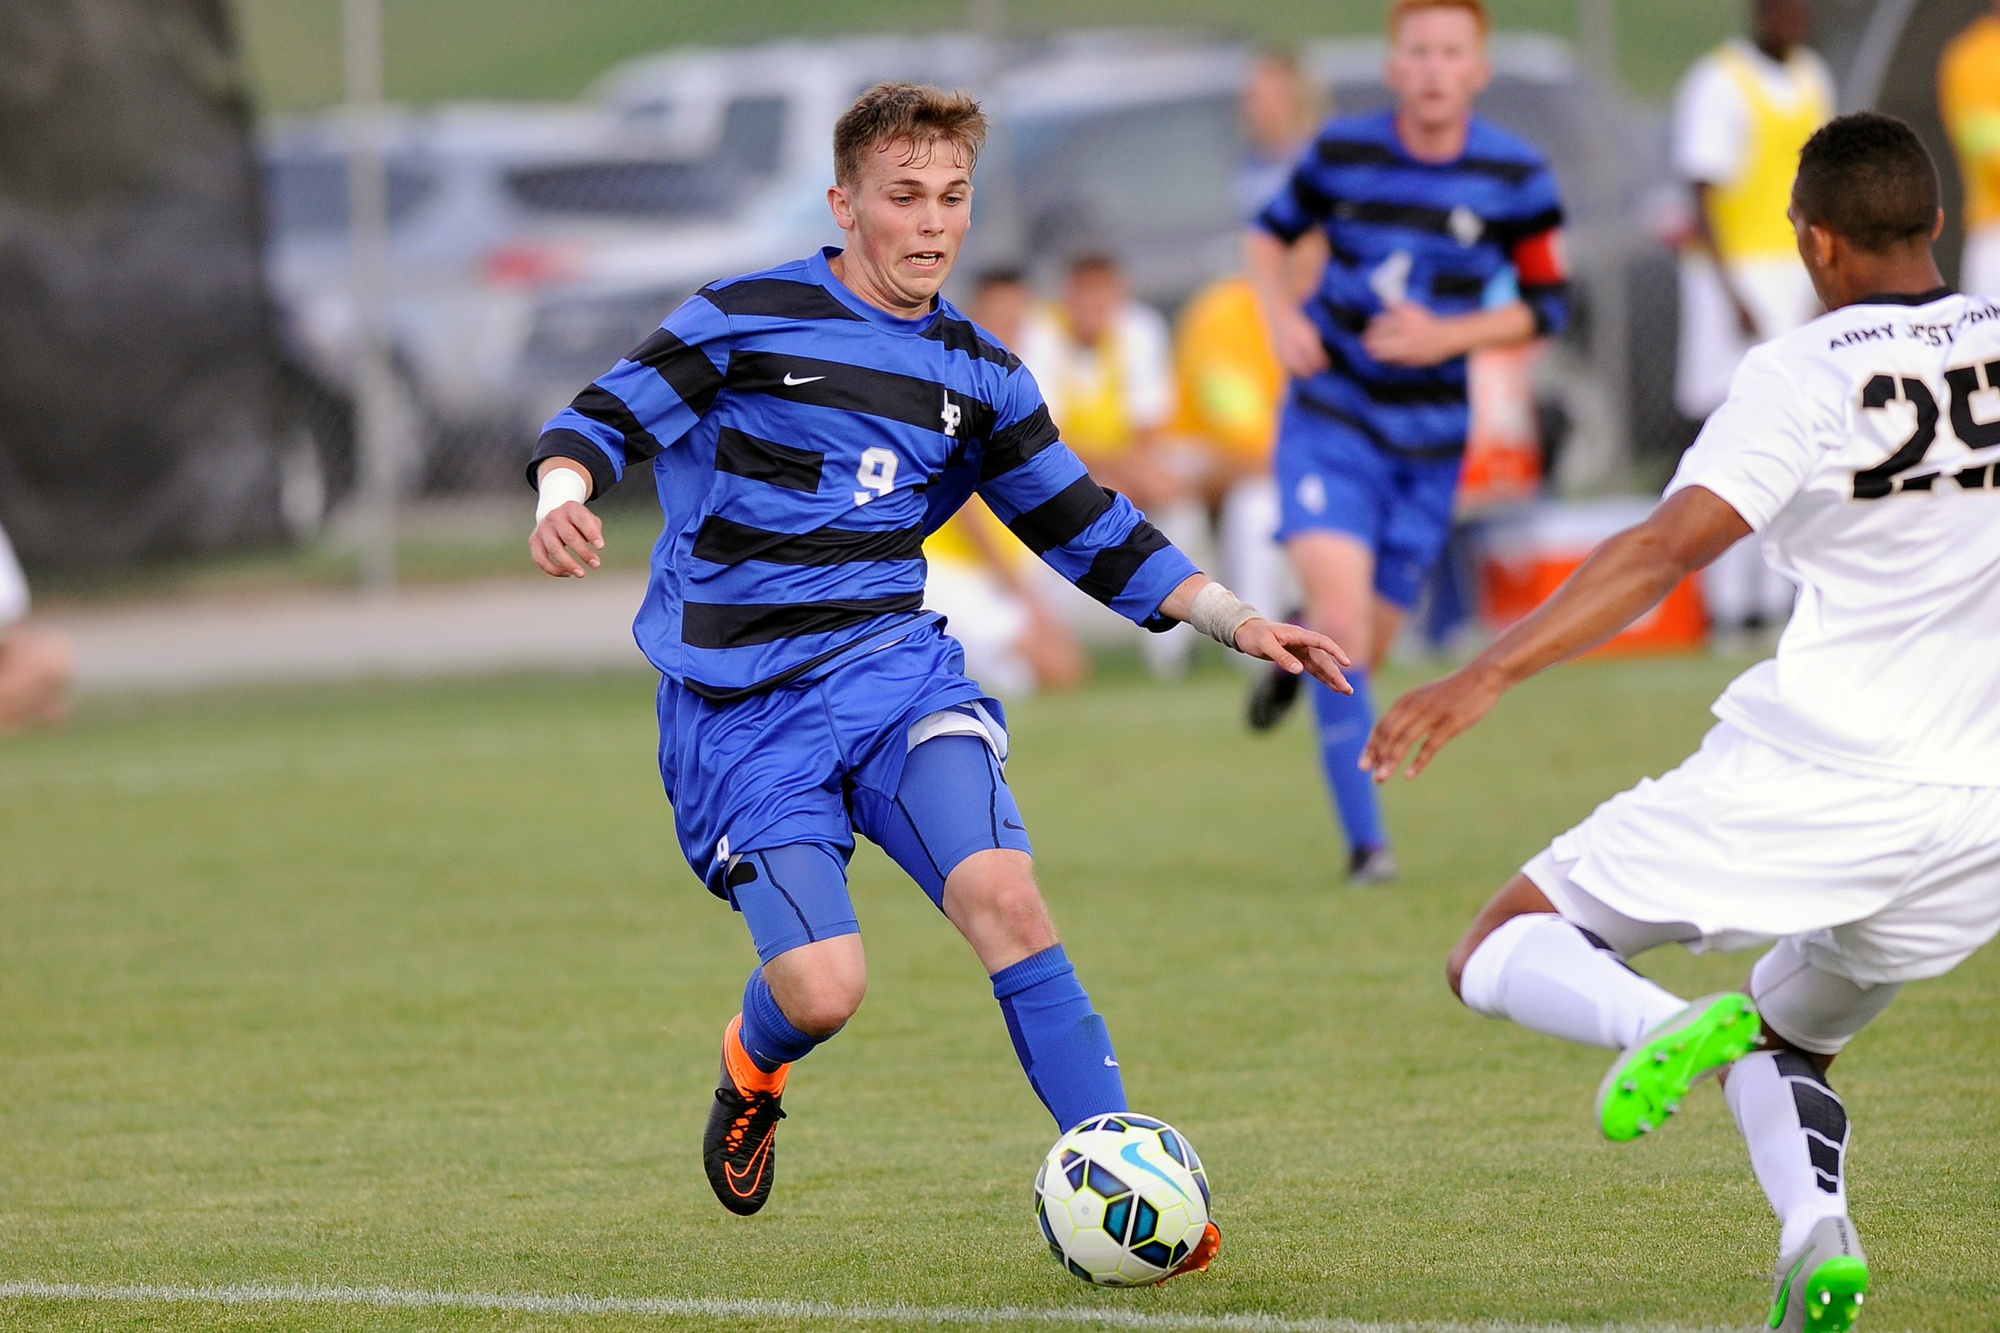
768 1037
1063 1045
1344 722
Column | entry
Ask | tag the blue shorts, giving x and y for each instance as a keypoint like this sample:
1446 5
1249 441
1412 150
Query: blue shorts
768 792
1332 479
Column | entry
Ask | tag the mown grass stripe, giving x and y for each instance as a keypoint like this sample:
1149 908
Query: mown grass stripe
704 1307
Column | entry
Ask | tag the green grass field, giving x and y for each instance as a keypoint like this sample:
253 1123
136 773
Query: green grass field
528 48
406 987
493 546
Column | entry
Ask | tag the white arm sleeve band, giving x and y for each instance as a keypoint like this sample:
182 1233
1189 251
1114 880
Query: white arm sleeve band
560 486
1219 613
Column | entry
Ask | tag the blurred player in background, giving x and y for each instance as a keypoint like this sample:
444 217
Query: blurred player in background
1445 236
1106 369
1846 805
1741 115
1278 111
807 427
1969 98
1226 373
979 576
35 667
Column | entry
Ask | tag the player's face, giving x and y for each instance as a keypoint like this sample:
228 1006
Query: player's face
1091 298
1437 66
1273 107
905 220
1782 24
1002 308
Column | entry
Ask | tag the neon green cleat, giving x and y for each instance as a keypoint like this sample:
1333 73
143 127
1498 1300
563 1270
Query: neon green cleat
1646 1084
1822 1287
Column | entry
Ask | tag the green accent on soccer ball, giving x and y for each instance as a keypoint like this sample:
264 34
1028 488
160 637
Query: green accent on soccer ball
1655 1075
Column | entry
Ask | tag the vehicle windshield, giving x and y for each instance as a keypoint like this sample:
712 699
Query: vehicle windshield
1107 173
308 195
745 156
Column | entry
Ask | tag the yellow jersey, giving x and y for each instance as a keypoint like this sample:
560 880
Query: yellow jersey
1104 396
1969 100
1749 213
1230 382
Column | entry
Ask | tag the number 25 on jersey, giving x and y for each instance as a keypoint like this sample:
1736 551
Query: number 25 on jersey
1969 385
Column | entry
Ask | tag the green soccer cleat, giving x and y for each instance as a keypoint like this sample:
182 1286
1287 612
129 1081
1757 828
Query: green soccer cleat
1646 1084
1821 1288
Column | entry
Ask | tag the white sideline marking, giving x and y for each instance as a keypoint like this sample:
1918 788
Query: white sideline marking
702 1307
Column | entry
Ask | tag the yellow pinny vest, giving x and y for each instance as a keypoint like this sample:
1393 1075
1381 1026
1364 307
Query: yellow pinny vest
1749 212
1095 423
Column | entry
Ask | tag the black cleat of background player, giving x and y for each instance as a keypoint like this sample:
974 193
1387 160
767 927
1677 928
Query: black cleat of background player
1272 698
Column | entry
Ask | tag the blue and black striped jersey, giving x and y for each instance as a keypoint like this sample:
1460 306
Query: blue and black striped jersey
1452 236
803 444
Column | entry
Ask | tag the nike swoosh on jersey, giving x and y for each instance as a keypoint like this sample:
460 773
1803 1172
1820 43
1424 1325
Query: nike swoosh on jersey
802 379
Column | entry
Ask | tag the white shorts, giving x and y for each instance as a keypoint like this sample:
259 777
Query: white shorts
1711 343
1743 844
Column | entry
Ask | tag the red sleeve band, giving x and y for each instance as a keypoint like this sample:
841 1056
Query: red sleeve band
1542 258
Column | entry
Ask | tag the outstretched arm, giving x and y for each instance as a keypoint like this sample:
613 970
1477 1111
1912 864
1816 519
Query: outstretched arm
1236 624
1622 580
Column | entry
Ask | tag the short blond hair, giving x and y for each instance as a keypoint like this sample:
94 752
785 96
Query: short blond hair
913 113
1402 9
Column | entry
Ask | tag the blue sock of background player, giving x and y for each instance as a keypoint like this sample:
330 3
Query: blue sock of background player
1344 721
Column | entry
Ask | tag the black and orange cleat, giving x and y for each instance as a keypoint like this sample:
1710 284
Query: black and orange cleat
1201 1256
739 1148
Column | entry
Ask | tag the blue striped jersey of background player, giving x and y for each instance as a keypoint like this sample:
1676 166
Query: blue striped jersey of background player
1452 236
803 444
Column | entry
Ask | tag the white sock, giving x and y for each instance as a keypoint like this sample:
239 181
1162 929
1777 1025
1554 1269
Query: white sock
1542 972
1796 1129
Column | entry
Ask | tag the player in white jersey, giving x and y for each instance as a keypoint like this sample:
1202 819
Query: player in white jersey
1845 809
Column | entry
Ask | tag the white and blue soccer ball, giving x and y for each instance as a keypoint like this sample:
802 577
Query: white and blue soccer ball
1121 1200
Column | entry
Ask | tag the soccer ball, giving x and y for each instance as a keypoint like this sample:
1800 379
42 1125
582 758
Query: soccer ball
1121 1200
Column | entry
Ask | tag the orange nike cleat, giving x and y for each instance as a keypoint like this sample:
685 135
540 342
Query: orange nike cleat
1201 1256
738 1149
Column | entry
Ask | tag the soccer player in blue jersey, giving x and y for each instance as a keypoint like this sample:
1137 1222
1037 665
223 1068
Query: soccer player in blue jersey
806 427
1444 236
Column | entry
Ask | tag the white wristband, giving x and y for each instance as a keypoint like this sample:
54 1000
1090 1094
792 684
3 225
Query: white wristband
1219 613
559 486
